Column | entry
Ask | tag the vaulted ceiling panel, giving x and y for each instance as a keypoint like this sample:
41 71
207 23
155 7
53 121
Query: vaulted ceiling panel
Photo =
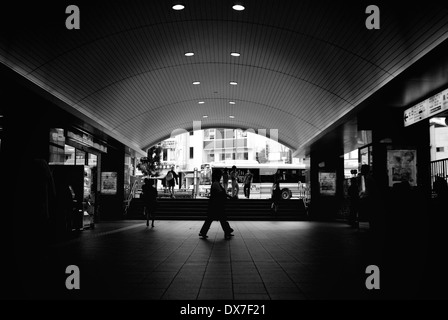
303 64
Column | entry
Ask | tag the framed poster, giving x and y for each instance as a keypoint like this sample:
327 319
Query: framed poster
402 166
327 183
108 182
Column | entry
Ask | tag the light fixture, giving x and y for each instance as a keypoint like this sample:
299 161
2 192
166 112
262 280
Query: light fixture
189 54
233 83
238 7
231 117
178 7
235 54
204 116
196 83
231 102
201 102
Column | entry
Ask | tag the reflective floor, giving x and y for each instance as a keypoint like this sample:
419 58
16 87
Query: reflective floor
265 260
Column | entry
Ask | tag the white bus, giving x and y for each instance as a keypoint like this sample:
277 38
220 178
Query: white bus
293 179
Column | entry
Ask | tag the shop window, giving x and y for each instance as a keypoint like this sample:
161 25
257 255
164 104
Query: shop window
69 155
92 160
57 155
80 157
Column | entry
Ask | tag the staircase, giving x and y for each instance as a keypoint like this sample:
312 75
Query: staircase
241 209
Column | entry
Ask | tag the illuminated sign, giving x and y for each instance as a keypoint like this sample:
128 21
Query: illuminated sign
427 108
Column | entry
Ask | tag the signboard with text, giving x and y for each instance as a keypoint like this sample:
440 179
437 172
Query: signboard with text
427 108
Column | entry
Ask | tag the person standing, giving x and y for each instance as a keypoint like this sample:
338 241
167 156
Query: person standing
248 179
276 197
216 207
171 180
225 179
234 179
150 200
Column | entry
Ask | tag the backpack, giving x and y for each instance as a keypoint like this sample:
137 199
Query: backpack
169 176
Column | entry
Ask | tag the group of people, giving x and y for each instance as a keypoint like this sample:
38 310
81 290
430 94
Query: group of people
218 197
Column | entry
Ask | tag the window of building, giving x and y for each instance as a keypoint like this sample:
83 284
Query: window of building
230 134
191 133
191 152
440 149
165 155
219 133
208 145
228 144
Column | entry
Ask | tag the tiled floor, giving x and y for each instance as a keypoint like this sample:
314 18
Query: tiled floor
265 260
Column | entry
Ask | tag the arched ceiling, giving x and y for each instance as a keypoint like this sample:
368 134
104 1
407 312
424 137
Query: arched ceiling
303 64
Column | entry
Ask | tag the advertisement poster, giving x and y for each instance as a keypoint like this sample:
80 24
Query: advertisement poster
402 166
108 182
327 183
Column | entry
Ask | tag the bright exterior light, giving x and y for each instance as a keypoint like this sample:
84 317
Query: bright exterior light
178 7
235 54
201 102
238 7
231 102
231 117
189 54
204 116
233 83
196 83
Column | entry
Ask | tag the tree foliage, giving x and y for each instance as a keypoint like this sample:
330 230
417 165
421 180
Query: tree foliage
150 165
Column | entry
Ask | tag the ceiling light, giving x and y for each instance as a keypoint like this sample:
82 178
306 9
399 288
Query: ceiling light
178 7
238 7
233 83
201 102
235 54
196 83
189 54
231 102
231 117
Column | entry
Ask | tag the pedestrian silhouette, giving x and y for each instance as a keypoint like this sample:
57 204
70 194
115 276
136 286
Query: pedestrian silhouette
248 178
225 179
171 180
216 207
276 197
234 178
150 200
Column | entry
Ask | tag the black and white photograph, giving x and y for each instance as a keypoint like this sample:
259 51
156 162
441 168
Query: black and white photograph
221 158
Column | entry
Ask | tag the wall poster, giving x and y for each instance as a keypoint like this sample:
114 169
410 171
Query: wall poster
402 166
327 183
108 182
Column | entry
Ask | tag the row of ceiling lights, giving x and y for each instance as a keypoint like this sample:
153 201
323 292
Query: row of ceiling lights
236 7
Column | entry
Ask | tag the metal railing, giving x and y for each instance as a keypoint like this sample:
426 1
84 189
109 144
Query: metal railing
439 168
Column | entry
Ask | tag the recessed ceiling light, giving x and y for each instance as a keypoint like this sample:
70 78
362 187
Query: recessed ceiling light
235 54
179 7
189 54
196 83
231 117
233 83
205 116
232 102
238 7
201 102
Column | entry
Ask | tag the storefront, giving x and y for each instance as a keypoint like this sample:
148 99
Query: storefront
74 159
